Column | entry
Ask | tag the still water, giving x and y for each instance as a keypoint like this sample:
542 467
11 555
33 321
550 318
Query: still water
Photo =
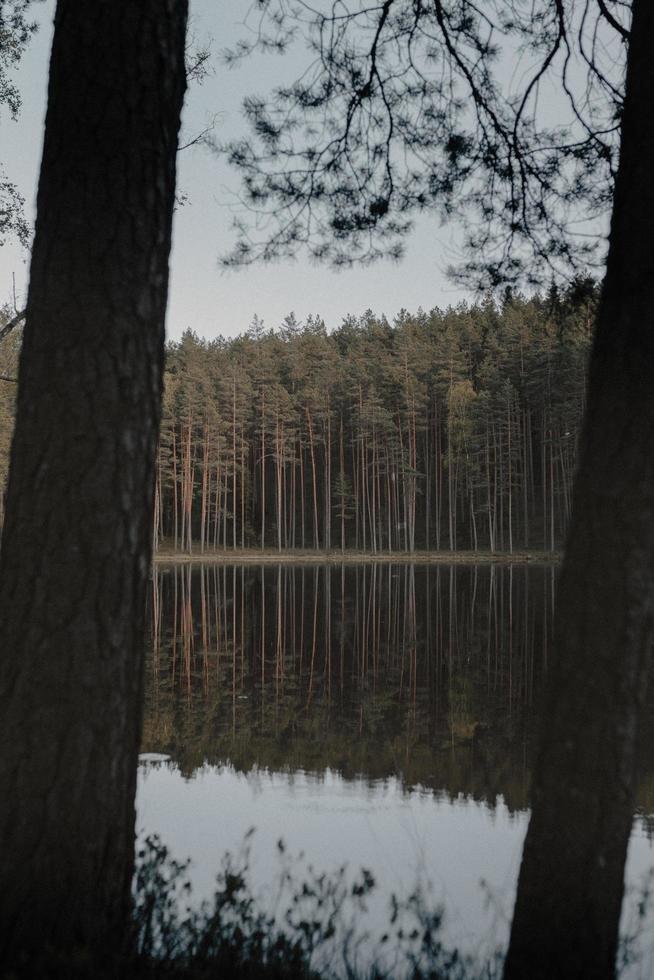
376 715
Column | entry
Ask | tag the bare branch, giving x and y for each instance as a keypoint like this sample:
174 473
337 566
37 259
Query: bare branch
203 138
615 24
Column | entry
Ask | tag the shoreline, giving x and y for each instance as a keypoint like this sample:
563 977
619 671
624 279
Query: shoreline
253 556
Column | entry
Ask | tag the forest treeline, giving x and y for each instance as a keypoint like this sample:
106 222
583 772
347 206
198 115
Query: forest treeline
450 429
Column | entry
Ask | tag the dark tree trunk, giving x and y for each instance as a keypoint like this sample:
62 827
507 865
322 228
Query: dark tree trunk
76 545
571 880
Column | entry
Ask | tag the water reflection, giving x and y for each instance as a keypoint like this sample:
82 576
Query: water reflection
425 673
406 839
374 714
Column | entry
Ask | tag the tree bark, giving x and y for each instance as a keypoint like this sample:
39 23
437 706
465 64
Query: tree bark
77 539
571 881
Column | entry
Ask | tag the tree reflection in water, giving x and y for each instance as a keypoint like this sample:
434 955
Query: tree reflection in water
373 679
430 673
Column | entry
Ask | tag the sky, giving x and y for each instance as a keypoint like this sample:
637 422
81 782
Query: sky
202 296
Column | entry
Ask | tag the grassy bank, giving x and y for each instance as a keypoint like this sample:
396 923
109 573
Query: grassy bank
255 556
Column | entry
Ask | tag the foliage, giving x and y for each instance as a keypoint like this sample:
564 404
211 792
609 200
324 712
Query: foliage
15 32
311 932
452 428
405 107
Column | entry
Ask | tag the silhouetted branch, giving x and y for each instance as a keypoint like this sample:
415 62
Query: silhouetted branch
202 138
615 24
403 109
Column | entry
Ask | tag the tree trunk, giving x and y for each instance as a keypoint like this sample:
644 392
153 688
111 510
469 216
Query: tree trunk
175 491
263 467
77 540
234 497
571 880
316 541
341 457
242 487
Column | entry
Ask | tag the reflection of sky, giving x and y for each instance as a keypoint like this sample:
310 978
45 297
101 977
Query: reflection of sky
640 863
404 838
467 852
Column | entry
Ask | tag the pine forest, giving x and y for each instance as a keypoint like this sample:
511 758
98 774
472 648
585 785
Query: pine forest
448 430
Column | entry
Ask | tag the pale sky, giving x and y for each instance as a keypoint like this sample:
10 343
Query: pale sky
202 296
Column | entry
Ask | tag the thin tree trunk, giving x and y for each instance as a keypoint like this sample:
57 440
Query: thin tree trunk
389 500
284 490
438 478
278 470
489 502
450 517
204 503
293 497
242 487
552 545
525 474
427 483
175 493
341 456
263 468
234 497
316 541
302 507
328 480
372 507
218 512
226 505
510 475
156 523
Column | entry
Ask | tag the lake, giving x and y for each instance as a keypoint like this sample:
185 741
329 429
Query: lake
371 715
